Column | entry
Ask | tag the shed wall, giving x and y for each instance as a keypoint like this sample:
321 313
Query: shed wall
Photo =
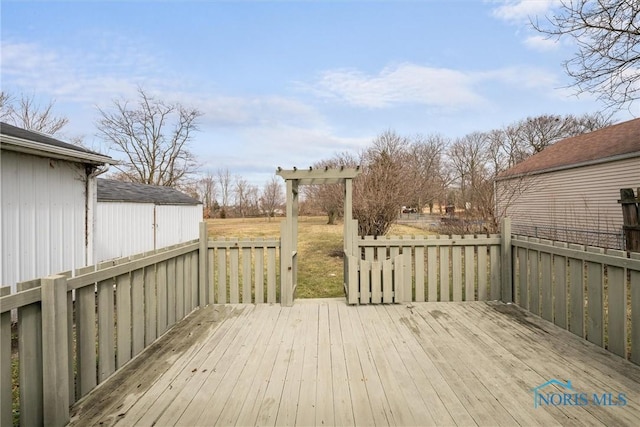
125 228
579 198
43 217
177 224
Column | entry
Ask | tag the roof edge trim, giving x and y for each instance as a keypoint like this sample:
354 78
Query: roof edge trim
26 146
572 166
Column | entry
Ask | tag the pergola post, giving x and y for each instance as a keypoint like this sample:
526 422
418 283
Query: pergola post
348 216
289 227
288 251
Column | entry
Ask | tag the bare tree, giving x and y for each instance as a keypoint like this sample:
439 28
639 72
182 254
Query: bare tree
154 138
468 158
426 171
607 36
272 197
380 191
329 198
224 181
246 197
516 142
6 100
537 133
589 122
207 192
26 113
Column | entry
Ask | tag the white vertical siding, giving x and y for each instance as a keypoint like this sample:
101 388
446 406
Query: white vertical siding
123 229
582 198
177 224
43 216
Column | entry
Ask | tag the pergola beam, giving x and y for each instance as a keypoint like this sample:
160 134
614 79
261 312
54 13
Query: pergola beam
319 176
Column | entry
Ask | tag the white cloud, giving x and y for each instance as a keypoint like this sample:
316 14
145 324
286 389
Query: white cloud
116 69
521 77
521 10
521 13
74 75
433 87
400 84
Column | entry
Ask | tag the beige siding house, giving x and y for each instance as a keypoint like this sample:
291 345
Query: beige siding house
569 191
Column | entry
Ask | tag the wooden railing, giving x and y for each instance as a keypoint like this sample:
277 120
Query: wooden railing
592 292
74 332
70 332
431 268
243 270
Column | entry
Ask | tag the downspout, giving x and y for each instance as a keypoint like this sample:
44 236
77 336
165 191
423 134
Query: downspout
91 200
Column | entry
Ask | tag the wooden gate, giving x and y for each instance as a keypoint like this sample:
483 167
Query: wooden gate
424 268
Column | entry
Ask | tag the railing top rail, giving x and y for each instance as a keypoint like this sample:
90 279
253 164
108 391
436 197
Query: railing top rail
268 242
19 299
612 257
432 240
136 264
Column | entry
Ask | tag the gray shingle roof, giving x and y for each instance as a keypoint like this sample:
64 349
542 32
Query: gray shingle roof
110 190
10 130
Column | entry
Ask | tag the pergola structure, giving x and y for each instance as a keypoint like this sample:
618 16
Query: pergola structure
294 178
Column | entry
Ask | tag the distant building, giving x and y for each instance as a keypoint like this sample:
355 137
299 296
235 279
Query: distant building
47 194
135 218
569 191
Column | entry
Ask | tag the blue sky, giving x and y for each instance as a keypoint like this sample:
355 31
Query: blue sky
284 83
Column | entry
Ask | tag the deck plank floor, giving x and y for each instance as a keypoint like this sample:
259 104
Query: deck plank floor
325 363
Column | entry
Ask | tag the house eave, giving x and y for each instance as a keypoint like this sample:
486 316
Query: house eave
571 166
19 145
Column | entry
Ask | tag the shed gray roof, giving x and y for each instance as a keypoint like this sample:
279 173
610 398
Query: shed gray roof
110 190
10 130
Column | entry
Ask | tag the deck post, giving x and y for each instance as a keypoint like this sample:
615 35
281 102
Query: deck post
506 282
202 267
6 416
630 219
55 351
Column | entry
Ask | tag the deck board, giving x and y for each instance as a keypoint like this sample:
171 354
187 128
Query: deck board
325 363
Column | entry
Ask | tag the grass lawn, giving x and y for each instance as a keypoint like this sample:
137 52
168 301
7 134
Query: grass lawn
320 270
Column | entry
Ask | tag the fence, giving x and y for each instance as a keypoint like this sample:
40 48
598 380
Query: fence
432 268
255 281
592 292
603 239
74 332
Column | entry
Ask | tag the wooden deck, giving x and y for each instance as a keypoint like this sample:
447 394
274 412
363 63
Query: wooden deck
322 362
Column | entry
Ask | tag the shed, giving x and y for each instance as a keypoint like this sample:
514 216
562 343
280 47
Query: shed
569 191
47 195
134 218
